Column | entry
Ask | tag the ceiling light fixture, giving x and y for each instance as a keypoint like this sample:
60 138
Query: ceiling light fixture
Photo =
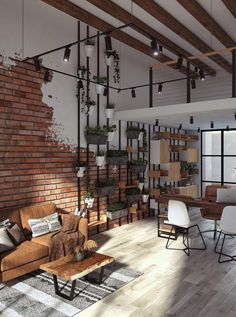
198 130
46 76
133 94
191 120
212 125
227 128
193 83
105 92
159 89
66 54
80 84
235 116
108 43
180 126
201 74
37 64
179 62
195 69
154 47
157 123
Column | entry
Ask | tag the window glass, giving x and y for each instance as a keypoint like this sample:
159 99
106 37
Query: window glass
211 169
230 169
211 143
230 143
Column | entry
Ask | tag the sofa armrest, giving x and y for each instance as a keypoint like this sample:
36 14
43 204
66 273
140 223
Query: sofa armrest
83 227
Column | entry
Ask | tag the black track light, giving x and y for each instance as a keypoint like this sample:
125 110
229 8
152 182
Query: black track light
193 83
46 76
201 74
133 94
179 62
154 47
212 125
180 126
195 69
37 64
227 128
198 130
108 43
66 54
80 84
159 89
157 123
160 49
191 120
105 91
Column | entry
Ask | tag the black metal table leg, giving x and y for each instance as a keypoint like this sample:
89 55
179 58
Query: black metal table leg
57 292
93 280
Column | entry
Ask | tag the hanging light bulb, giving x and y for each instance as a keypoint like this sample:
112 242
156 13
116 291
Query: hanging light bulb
198 130
201 74
157 123
133 94
212 125
159 89
80 84
191 120
179 62
154 47
180 126
105 92
108 43
66 54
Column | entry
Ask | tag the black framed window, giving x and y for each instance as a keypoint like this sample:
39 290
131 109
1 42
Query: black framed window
218 157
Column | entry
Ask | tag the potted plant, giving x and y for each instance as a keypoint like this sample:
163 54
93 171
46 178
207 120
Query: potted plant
105 187
141 183
101 81
100 159
96 135
135 133
89 47
184 170
117 210
192 169
138 166
113 56
80 169
109 110
132 194
111 132
89 106
82 252
89 199
109 57
145 195
117 157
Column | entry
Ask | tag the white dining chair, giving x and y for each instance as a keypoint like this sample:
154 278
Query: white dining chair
178 218
227 228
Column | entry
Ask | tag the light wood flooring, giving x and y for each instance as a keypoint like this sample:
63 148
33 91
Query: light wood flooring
172 283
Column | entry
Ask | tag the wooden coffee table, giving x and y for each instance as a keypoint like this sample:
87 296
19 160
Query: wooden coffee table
70 270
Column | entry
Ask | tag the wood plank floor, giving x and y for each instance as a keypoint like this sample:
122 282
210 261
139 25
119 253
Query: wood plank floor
172 283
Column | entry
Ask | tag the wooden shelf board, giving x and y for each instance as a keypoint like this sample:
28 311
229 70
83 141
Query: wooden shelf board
96 223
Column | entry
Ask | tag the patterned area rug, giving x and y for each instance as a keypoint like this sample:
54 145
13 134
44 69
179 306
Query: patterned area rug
33 294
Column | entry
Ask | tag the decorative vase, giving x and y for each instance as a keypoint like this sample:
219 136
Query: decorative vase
79 256
89 50
109 112
145 198
89 202
109 60
99 89
110 136
100 161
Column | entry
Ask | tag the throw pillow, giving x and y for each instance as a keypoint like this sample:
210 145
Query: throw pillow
16 234
5 242
41 226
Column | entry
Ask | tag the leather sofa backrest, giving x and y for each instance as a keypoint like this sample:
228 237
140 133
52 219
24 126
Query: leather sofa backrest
36 211
12 215
211 191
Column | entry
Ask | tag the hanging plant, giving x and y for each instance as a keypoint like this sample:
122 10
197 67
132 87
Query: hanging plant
81 74
89 47
113 56
109 110
88 107
101 81
111 131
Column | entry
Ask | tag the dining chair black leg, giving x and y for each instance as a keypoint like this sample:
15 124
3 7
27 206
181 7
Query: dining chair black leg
221 249
202 237
187 249
215 229
167 242
215 249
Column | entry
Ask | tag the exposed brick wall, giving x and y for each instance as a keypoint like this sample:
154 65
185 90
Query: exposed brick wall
34 169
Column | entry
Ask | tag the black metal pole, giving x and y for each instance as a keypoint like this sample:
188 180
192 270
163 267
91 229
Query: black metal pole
188 83
234 73
78 116
98 123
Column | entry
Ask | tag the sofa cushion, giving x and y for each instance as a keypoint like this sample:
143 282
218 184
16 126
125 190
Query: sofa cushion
24 253
44 240
36 211
5 242
41 226
16 234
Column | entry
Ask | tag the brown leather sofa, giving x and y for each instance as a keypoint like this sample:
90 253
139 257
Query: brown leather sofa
30 254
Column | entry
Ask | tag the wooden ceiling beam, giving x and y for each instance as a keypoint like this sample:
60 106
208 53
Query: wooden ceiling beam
231 6
124 16
88 18
174 25
197 11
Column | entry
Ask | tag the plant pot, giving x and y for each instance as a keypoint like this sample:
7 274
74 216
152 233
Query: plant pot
132 134
184 174
117 214
89 110
96 139
140 137
81 170
109 112
89 202
100 161
99 89
145 198
109 60
79 256
133 198
89 50
105 191
137 168
140 186
110 136
117 160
